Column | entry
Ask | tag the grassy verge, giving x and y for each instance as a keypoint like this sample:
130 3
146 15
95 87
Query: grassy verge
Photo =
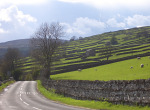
5 85
85 103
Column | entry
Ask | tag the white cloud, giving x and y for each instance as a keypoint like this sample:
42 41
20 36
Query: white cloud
4 16
12 14
22 2
114 23
100 4
87 22
15 24
84 27
2 31
138 21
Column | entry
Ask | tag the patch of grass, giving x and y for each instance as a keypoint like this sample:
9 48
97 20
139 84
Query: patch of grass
85 103
115 71
5 85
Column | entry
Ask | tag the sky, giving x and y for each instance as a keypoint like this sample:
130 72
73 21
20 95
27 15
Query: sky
19 19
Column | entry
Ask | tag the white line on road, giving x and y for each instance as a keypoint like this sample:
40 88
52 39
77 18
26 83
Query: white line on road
36 108
5 89
20 98
25 103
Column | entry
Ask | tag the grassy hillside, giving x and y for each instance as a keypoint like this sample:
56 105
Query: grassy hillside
115 71
131 43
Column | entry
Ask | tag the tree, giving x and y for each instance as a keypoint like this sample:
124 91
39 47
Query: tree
143 34
45 42
8 63
73 38
113 40
107 50
80 38
16 74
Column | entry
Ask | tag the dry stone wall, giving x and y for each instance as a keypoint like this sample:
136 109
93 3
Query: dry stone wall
134 92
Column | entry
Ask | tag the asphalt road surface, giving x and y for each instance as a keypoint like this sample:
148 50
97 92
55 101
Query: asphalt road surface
23 95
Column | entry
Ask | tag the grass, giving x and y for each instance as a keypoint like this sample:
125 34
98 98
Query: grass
5 85
115 71
85 103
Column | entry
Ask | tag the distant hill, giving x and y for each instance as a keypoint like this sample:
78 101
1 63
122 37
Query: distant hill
22 44
16 43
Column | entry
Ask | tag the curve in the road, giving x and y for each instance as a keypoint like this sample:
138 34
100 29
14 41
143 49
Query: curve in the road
23 95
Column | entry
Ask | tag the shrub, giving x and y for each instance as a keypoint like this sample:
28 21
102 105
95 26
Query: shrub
16 74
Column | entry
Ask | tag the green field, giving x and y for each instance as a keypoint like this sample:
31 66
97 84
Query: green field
115 71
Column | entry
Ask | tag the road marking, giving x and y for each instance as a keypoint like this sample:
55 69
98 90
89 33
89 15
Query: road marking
6 89
20 98
36 108
25 103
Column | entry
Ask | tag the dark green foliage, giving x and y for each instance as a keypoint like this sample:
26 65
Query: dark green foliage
113 40
145 34
16 74
107 51
35 73
28 77
8 62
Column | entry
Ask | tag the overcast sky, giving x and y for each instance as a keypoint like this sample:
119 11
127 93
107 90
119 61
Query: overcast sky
19 19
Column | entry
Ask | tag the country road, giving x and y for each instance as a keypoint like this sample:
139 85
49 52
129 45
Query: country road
23 95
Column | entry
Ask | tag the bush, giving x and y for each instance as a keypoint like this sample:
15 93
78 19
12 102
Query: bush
113 40
28 77
35 73
16 74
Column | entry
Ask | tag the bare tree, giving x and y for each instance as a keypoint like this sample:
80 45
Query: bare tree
46 41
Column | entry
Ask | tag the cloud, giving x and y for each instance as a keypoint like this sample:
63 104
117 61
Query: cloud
12 13
100 4
138 20
2 31
22 2
114 23
14 23
87 22
84 26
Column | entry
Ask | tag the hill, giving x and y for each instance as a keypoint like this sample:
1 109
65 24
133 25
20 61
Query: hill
131 43
16 43
22 44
